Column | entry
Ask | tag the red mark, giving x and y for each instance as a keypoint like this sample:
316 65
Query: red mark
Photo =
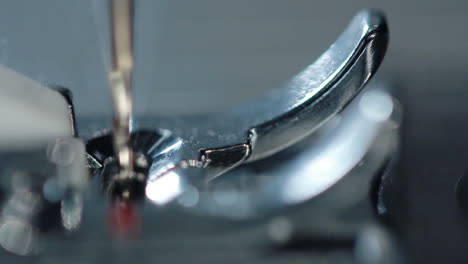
124 220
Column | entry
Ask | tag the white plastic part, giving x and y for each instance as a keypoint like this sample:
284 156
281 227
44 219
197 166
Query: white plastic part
30 113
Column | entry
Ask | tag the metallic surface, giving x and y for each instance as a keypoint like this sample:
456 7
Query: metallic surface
287 115
185 160
256 216
323 88
345 154
121 80
222 141
210 55
300 104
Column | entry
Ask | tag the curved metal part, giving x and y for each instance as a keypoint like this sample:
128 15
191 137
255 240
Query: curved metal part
325 87
345 155
222 141
319 92
287 115
223 159
327 175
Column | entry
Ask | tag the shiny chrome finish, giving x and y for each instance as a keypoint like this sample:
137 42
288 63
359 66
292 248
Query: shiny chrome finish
337 164
328 157
325 176
320 91
270 124
216 143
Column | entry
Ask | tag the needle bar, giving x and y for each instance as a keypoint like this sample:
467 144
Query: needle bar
121 80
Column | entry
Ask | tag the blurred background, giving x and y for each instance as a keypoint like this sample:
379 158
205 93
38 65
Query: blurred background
201 56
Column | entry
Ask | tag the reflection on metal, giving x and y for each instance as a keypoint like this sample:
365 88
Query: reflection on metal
18 234
68 156
353 152
345 148
71 210
18 237
156 152
320 154
223 141
36 182
190 197
325 87
224 159
376 106
375 245
164 188
280 229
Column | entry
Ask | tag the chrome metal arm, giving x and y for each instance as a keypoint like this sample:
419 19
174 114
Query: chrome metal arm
194 149
324 88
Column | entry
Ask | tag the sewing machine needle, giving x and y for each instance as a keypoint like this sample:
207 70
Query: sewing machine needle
121 26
